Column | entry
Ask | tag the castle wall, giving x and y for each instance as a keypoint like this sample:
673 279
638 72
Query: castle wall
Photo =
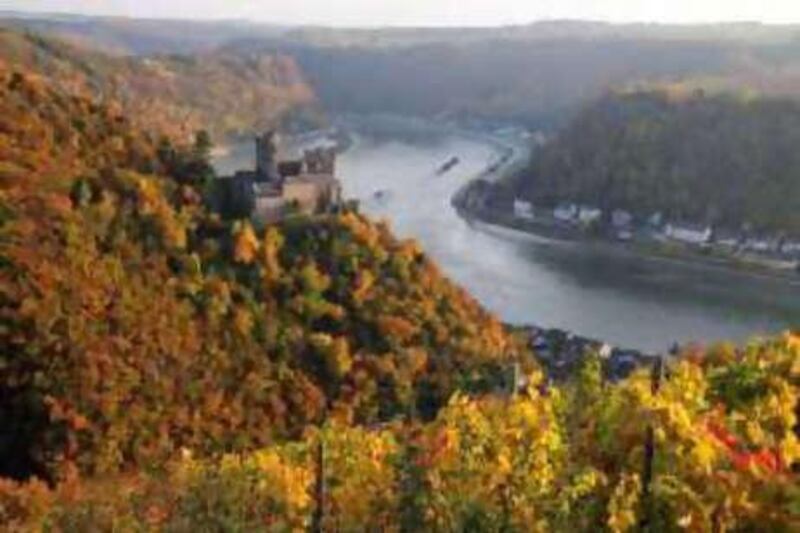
312 193
269 208
305 194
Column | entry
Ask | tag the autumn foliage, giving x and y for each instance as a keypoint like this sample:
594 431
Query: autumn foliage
137 324
163 369
539 461
226 93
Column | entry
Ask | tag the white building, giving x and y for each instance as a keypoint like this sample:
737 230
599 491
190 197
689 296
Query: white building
757 245
589 215
728 242
624 235
605 350
688 233
523 209
791 248
566 212
621 218
727 239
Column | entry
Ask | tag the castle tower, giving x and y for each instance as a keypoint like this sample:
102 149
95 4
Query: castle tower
267 157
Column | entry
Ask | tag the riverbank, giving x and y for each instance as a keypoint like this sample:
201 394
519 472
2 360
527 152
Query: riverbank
470 203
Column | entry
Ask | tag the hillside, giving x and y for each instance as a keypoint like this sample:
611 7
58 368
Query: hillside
174 94
139 37
712 447
721 159
499 79
165 370
153 36
136 323
538 75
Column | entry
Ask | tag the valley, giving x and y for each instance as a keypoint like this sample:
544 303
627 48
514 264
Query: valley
589 288
242 287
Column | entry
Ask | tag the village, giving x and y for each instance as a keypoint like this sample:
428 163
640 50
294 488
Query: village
562 353
574 220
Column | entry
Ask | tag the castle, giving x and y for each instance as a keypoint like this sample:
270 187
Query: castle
279 187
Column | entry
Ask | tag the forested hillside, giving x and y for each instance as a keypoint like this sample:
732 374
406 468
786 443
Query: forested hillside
539 82
135 323
174 94
162 369
712 448
724 159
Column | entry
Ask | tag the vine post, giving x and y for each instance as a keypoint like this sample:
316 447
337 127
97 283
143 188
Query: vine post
320 490
656 378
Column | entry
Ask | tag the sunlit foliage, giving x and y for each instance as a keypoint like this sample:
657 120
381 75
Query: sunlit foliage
493 464
136 324
165 370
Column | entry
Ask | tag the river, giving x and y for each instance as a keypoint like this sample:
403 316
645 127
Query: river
595 290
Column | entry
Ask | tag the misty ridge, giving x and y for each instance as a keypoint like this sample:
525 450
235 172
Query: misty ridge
539 74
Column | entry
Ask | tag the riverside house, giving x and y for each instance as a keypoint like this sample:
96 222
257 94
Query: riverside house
688 233
589 215
621 219
523 209
791 249
760 245
727 240
566 212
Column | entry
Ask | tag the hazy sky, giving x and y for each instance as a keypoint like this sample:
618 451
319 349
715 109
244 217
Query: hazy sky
430 12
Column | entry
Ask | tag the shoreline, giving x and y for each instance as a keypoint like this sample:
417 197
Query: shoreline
570 235
464 206
518 146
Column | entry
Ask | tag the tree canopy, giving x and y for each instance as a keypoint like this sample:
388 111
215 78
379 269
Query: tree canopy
137 323
721 159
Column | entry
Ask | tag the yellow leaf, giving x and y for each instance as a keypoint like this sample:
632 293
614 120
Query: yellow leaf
246 244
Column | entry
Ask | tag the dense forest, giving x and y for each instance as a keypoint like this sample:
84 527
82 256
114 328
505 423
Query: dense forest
723 159
136 323
497 79
175 94
163 369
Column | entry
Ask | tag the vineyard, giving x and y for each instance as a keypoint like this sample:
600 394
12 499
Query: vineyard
724 444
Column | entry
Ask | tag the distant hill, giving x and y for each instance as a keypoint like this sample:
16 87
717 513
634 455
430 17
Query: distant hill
538 74
123 36
539 83
174 94
150 36
724 159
